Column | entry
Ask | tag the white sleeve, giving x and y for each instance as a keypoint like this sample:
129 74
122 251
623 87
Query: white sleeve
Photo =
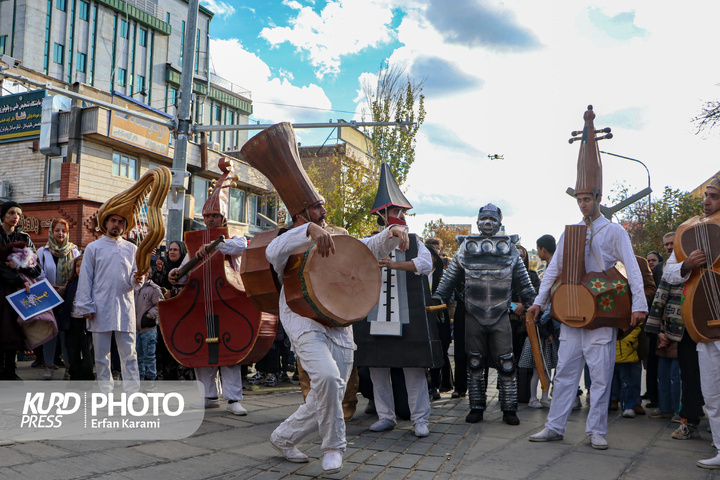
423 261
551 274
233 246
381 244
671 272
284 245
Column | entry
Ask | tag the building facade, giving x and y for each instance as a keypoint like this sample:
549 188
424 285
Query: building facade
127 53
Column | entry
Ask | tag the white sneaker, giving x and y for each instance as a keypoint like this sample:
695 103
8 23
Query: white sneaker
212 403
629 413
598 441
382 425
545 402
291 454
577 404
236 409
534 403
545 435
332 461
422 429
47 374
710 463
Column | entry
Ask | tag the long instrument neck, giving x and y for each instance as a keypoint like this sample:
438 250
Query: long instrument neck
574 254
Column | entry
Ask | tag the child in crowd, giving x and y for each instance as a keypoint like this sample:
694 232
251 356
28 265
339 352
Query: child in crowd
146 314
77 339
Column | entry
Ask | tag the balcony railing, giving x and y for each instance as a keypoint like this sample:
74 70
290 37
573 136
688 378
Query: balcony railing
228 85
148 6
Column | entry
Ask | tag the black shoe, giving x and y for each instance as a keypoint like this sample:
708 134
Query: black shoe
511 418
434 394
652 405
475 415
370 409
457 394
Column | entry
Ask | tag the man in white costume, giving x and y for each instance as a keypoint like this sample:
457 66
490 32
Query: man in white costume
606 243
105 298
326 353
708 352
225 379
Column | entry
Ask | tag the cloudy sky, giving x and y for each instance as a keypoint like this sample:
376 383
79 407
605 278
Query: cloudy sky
501 77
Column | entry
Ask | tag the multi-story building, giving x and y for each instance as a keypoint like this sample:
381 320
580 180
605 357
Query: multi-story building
128 53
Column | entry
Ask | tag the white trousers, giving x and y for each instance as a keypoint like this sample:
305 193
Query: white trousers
128 360
417 392
328 365
577 347
210 384
709 360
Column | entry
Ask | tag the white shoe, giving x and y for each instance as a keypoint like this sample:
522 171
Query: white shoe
47 374
236 409
291 454
332 461
382 425
598 441
535 403
710 463
422 429
545 435
545 402
629 413
212 403
577 404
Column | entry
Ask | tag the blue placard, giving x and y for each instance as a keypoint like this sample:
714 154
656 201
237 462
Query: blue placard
42 297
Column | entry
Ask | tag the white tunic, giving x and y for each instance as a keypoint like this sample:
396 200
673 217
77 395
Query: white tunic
106 285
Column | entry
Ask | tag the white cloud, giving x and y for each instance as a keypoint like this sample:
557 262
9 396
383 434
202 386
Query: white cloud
343 27
218 7
272 95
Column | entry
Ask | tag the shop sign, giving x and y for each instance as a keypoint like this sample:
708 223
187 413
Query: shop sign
20 116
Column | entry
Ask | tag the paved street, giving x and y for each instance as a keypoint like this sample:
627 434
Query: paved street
230 447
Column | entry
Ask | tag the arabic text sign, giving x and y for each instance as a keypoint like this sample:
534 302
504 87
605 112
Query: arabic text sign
20 116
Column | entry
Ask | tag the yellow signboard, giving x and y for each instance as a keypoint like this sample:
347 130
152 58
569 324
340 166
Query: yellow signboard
136 131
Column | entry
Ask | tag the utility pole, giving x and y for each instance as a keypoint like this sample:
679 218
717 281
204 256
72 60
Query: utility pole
176 197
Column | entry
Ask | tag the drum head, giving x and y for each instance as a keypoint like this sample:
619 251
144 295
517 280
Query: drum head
344 286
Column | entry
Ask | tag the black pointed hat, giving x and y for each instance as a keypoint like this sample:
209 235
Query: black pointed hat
388 193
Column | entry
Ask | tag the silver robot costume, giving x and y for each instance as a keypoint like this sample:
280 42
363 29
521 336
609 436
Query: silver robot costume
491 267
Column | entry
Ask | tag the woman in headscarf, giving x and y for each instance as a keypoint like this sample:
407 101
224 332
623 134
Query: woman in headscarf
56 259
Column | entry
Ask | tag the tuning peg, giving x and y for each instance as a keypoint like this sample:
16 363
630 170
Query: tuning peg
604 130
574 139
605 137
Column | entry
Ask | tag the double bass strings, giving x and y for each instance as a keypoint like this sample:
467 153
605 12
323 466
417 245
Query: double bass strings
207 290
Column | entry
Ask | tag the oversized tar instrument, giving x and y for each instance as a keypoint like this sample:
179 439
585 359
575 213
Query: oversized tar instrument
141 206
333 290
701 307
589 299
211 322
534 338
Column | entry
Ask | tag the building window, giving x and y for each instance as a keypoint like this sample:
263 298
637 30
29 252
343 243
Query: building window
122 77
124 166
253 210
172 97
197 52
200 192
53 175
124 28
142 37
61 5
3 44
81 62
218 113
84 11
182 43
140 82
237 205
58 53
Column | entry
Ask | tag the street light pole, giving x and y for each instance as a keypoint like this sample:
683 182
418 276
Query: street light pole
648 177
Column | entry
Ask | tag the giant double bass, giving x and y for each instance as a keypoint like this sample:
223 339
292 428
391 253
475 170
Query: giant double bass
211 322
589 299
701 305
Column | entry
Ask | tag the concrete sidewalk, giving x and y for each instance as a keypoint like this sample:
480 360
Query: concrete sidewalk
231 447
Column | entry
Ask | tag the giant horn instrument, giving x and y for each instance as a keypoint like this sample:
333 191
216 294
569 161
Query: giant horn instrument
142 201
589 299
